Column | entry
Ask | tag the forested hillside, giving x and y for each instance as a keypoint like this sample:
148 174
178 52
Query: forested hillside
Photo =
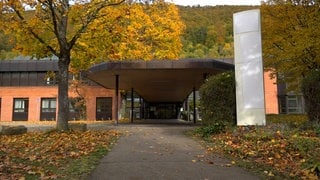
208 32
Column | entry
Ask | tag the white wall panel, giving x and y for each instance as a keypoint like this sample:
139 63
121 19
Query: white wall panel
249 68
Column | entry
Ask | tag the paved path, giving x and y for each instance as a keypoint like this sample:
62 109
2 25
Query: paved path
148 152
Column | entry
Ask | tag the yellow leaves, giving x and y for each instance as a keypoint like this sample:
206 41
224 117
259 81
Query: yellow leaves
284 151
83 44
277 155
33 153
135 32
289 42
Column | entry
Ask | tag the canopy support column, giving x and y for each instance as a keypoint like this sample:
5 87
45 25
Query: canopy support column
116 100
132 105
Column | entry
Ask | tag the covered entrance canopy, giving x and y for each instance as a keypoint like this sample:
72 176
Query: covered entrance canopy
158 80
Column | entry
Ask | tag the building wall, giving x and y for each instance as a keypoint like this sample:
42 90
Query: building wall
35 93
271 94
91 93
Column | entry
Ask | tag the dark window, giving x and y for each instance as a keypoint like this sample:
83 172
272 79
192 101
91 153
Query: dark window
282 104
104 108
6 79
291 104
1 79
48 105
48 109
15 79
42 80
20 109
33 79
20 105
24 80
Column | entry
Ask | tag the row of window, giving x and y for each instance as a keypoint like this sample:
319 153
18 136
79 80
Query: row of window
36 78
48 109
22 105
26 79
21 109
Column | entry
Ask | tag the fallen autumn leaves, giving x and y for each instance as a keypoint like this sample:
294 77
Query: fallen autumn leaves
272 150
50 155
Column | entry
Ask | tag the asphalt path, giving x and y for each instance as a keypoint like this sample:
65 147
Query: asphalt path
148 152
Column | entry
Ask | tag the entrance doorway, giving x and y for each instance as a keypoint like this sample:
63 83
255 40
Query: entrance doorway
104 108
162 110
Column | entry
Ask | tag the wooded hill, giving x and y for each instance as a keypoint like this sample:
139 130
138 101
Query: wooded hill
208 33
209 30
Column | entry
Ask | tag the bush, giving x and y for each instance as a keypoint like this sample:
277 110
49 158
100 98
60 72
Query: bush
218 99
311 92
207 131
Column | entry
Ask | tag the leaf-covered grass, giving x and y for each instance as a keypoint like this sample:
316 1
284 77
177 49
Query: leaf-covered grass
53 155
278 150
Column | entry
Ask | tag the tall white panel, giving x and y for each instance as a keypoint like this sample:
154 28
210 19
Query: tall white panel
249 68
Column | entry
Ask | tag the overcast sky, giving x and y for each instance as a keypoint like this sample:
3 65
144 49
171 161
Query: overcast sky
215 2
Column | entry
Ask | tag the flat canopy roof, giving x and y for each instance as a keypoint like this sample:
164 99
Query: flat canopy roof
158 80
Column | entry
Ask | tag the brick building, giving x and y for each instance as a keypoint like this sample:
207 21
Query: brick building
29 93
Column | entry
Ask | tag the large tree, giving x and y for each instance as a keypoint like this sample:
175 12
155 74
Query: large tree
55 27
135 31
291 42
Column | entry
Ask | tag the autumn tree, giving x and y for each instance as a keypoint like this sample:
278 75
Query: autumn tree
45 31
133 31
291 44
90 31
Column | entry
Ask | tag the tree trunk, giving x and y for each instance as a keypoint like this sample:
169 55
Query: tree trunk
63 100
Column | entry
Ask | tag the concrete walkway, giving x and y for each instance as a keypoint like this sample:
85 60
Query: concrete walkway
148 152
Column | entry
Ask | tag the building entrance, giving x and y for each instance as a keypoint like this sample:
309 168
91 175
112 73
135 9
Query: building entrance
162 110
104 108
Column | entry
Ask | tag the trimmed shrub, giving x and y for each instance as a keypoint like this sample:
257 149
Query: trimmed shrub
311 92
218 99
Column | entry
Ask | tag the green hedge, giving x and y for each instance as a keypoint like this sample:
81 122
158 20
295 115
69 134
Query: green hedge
218 99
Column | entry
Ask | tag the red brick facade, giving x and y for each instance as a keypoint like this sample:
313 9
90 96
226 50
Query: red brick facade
35 93
271 94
